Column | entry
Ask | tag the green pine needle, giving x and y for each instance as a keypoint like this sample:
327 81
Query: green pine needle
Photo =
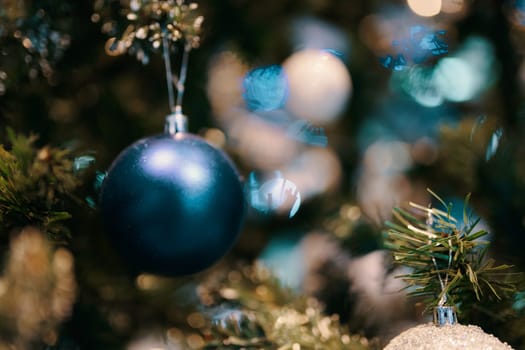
438 250
34 184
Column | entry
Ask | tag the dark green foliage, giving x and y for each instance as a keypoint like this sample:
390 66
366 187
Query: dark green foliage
251 310
34 184
448 260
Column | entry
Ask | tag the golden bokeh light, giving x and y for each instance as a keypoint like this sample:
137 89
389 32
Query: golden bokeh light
452 6
425 8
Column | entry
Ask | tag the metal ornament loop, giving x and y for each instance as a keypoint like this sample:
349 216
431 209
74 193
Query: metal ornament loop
176 123
445 316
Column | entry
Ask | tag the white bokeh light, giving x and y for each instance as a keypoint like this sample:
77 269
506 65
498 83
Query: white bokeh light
425 8
319 84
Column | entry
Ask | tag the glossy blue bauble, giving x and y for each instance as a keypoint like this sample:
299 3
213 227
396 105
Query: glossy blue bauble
173 205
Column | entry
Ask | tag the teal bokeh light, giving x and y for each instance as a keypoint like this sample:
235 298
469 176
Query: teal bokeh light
265 88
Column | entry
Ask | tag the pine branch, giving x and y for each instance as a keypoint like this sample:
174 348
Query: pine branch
252 311
34 185
448 261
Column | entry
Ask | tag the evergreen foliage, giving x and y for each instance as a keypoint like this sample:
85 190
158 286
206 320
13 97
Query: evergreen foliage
34 185
448 259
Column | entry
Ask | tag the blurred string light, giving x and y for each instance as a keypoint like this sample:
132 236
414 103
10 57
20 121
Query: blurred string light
400 117
305 132
387 157
263 133
396 24
431 8
469 72
458 78
265 88
479 122
267 136
313 33
91 201
265 91
382 183
494 139
311 173
517 12
319 86
272 194
83 162
34 35
519 302
314 171
374 282
140 25
427 92
237 324
172 339
343 224
152 341
453 6
425 8
494 144
283 256
216 137
225 92
37 291
262 145
421 44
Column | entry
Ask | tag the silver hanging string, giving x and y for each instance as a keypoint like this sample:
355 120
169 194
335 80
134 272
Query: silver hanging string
169 74
182 76
176 121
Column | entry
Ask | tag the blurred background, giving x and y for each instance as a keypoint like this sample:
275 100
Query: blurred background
337 110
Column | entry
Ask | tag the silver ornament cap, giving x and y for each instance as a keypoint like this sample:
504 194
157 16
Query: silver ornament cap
176 122
445 316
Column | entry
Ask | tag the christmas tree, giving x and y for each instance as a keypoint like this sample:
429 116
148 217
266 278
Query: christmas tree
255 174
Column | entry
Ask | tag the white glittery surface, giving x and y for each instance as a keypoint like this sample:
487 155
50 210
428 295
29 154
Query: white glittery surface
457 337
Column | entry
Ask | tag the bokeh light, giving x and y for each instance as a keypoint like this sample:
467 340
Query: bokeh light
387 157
382 183
420 44
216 137
262 145
265 88
453 6
272 194
284 258
151 341
37 289
425 8
83 162
315 171
468 73
379 290
305 132
376 32
225 72
420 84
313 33
320 86
458 78
517 13
494 143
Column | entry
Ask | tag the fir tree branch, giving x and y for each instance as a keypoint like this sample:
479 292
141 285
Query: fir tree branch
34 185
448 262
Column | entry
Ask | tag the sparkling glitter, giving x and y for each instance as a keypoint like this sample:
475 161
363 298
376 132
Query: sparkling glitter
457 337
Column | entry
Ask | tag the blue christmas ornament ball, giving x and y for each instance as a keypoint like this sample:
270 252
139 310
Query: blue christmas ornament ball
172 204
